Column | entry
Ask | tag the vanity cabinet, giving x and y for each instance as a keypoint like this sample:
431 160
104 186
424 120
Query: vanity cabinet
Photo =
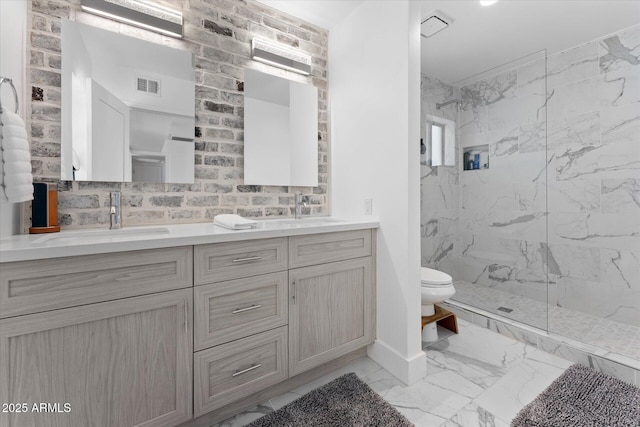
117 363
157 337
285 306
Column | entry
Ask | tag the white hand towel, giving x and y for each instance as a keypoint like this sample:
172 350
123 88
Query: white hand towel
3 196
16 167
13 131
15 155
13 143
234 222
17 180
19 193
9 118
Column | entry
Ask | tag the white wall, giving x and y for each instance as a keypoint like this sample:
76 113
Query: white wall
375 110
13 30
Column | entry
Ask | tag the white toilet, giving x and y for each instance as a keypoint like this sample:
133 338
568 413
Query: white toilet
436 287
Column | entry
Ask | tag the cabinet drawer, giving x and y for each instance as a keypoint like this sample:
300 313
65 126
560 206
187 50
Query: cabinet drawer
225 261
35 286
235 370
328 247
234 309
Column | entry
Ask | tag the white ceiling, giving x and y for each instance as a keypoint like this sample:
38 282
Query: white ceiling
484 37
481 38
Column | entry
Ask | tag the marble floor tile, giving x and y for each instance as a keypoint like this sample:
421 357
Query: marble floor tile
477 378
426 399
473 415
361 368
480 373
246 417
520 385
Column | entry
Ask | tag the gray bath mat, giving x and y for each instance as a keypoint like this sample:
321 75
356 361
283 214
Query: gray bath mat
344 402
582 397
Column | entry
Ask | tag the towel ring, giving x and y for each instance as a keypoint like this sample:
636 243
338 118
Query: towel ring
15 92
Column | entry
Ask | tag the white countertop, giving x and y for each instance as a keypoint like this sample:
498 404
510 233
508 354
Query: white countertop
97 241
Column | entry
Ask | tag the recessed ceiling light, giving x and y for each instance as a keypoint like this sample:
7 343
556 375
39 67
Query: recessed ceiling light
487 2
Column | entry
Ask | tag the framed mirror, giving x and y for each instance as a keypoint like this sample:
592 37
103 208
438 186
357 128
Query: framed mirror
280 131
127 108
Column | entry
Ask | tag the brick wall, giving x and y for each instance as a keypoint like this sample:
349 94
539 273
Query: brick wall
219 33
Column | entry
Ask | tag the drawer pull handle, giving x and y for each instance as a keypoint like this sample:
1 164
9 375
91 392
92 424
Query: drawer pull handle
251 258
242 310
244 371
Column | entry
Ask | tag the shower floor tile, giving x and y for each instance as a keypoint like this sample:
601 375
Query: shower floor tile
610 336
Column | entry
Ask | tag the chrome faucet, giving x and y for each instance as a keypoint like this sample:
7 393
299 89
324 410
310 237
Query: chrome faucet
115 215
300 202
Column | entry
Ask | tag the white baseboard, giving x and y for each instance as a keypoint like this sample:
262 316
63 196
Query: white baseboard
407 370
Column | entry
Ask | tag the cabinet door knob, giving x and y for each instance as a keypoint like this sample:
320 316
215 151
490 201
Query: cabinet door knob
244 371
186 316
293 291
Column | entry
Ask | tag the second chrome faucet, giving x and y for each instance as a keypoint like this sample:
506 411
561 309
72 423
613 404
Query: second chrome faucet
301 201
115 212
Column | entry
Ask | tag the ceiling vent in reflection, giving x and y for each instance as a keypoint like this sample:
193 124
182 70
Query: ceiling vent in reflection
435 22
148 85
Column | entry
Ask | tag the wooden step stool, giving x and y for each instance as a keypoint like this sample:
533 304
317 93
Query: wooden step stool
444 318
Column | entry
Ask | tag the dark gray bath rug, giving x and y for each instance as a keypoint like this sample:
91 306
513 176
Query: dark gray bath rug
344 402
582 397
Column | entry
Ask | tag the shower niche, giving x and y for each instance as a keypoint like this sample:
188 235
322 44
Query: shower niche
475 158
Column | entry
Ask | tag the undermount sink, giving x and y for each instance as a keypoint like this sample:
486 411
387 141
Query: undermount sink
302 222
85 235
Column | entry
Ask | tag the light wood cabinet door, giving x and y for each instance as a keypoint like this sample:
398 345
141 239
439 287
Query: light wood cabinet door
331 311
119 363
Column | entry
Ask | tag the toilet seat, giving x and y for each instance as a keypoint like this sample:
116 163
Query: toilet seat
431 278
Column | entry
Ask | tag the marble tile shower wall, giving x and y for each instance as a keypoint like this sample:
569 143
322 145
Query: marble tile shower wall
439 187
219 33
589 194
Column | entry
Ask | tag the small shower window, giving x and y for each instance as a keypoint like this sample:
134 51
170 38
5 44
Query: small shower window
440 138
435 135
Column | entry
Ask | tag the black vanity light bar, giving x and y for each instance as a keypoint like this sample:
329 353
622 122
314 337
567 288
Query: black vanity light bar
139 13
280 56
